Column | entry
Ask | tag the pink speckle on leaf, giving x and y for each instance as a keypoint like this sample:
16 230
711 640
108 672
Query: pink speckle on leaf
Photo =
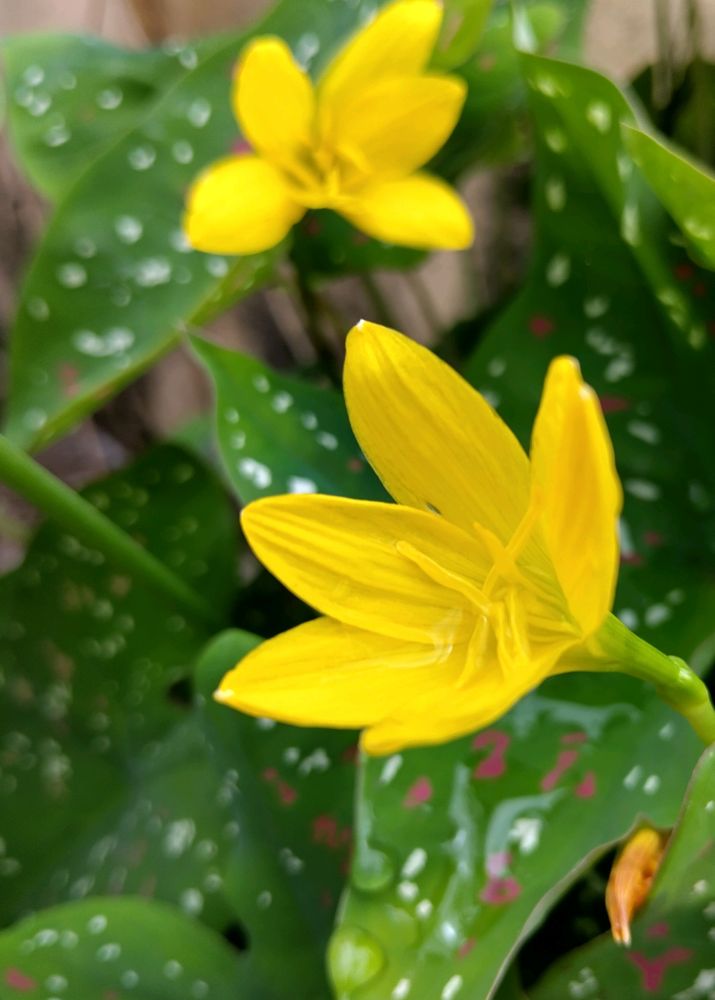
631 558
351 754
586 789
326 830
270 774
541 326
241 146
614 404
466 947
565 760
683 272
69 378
418 794
653 969
499 891
17 980
569 739
286 793
494 765
659 930
653 538
498 863
312 226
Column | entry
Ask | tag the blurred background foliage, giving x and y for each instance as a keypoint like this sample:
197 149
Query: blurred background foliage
174 386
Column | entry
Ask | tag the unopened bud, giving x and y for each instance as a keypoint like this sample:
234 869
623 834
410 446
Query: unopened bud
631 878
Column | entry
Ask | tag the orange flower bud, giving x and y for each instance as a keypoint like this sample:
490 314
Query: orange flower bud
631 878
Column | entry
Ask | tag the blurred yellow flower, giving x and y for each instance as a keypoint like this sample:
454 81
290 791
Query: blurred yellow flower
353 143
490 572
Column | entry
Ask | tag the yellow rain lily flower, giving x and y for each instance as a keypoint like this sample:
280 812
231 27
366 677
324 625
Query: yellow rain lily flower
490 572
353 143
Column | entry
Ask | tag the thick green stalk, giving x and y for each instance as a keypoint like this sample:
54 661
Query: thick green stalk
673 679
77 515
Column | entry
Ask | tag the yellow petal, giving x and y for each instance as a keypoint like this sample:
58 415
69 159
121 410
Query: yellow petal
369 564
416 211
398 42
239 205
398 124
273 100
434 442
325 673
576 487
425 718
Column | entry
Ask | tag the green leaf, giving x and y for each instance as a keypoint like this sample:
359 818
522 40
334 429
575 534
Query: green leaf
113 284
493 127
684 188
94 663
672 951
278 434
475 840
71 98
295 810
116 948
145 785
462 28
325 244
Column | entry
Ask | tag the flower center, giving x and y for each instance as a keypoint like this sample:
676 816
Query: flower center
514 609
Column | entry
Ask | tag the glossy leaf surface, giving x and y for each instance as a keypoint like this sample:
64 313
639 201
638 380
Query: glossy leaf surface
673 938
99 948
473 841
278 434
113 283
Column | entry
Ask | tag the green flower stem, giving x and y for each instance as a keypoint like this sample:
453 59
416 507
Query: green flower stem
77 515
673 679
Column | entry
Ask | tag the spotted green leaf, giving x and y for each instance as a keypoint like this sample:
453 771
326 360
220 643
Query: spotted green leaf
71 98
278 434
116 948
93 736
674 937
461 851
685 189
146 785
294 806
113 283
493 124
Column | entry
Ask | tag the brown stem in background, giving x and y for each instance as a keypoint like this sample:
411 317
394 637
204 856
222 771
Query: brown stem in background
380 305
421 291
663 67
312 307
152 15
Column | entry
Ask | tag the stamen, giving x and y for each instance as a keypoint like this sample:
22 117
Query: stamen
505 557
435 571
476 651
